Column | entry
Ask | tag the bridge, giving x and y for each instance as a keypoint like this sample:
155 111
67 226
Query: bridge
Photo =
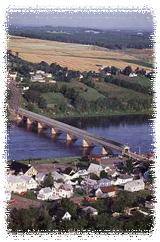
73 133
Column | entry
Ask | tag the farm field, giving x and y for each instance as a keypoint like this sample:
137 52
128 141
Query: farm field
77 56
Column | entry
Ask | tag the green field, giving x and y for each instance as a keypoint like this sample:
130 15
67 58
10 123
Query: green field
53 98
122 93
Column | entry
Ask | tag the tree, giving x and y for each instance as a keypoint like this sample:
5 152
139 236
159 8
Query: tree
127 70
48 181
103 174
31 219
69 206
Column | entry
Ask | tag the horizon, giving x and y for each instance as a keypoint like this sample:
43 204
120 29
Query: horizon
102 21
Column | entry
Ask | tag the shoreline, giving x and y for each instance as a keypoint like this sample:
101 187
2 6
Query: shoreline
149 114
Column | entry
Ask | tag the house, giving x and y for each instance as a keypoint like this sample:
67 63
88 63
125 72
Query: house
29 182
104 182
20 168
88 183
112 172
66 216
134 186
89 199
48 75
40 177
15 184
13 75
25 88
45 193
60 214
51 81
122 179
37 78
40 72
19 184
65 191
80 173
90 210
132 74
95 168
104 192
57 176
31 73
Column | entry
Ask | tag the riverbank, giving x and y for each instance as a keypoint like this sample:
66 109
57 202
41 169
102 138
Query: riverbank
148 113
63 160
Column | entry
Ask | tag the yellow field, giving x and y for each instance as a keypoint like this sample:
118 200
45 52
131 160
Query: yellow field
74 56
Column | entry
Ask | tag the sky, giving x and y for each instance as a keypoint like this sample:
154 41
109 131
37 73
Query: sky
103 20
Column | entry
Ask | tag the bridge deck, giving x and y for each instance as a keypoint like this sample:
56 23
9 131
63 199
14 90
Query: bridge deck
71 130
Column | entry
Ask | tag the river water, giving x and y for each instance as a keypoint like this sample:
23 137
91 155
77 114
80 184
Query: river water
135 131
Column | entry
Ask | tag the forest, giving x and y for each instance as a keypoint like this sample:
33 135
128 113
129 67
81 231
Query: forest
111 39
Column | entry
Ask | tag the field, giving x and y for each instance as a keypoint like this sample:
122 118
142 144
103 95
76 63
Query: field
112 90
77 56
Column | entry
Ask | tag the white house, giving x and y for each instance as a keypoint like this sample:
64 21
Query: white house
40 177
134 186
30 182
48 75
112 172
104 182
66 216
88 183
45 193
95 168
122 179
104 192
80 173
13 75
19 184
40 72
51 81
65 191
57 176
25 88
15 184
132 74
37 78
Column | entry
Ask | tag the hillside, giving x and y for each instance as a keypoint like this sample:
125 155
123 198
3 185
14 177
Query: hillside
76 93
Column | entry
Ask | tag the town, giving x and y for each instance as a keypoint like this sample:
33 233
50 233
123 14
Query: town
87 187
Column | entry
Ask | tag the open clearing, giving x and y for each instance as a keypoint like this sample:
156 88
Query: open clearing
77 56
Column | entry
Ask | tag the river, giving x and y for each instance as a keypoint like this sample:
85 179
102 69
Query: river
135 131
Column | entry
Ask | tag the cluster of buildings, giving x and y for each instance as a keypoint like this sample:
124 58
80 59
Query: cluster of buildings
42 77
23 177
70 183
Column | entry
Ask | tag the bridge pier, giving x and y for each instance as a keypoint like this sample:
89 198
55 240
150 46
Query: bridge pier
70 137
19 117
55 131
105 151
40 126
86 143
29 121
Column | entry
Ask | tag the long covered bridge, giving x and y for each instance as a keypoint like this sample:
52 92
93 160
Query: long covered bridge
73 133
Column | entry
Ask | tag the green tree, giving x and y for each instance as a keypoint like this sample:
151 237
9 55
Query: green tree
48 181
69 206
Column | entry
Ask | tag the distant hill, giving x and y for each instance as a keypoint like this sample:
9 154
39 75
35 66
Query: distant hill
111 39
